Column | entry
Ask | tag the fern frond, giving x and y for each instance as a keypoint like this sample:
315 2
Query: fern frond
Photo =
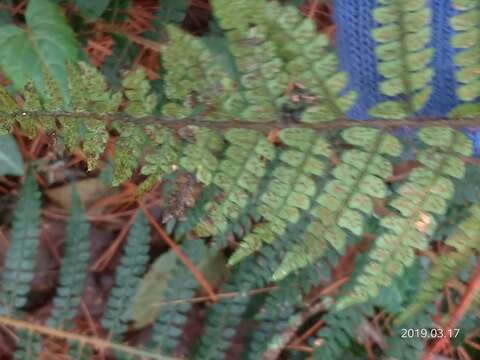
404 56
129 148
7 107
340 331
138 90
74 267
167 328
195 81
201 153
467 40
40 49
262 83
133 140
291 189
411 347
238 176
79 351
225 316
347 200
424 195
28 345
19 264
465 242
274 317
90 93
164 157
128 274
310 62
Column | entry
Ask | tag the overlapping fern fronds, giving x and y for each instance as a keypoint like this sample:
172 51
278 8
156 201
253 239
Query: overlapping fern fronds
404 55
284 183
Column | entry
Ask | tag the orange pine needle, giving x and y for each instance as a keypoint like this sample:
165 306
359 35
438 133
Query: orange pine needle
184 258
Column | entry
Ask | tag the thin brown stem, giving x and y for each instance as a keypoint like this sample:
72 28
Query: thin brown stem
263 126
92 341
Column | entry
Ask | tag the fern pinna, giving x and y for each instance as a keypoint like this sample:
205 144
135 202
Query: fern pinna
285 184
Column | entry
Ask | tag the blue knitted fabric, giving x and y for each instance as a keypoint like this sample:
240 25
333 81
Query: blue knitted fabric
356 50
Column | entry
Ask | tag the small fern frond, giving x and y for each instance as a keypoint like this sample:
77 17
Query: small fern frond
201 154
19 264
128 275
238 176
400 347
73 272
347 200
340 331
167 328
129 148
7 107
132 141
309 63
404 56
195 81
274 317
291 189
225 316
79 351
467 40
425 195
28 345
138 90
90 93
465 242
74 267
260 69
164 157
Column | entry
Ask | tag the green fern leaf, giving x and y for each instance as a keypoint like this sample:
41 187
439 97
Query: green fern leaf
310 62
89 93
275 316
133 140
346 201
19 265
238 176
224 317
404 56
339 332
7 107
418 201
412 347
163 159
465 242
28 346
79 351
195 82
200 155
467 39
129 148
74 267
127 278
141 100
45 46
291 189
262 83
181 284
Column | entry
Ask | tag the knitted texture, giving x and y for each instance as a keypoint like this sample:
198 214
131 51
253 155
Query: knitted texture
356 49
